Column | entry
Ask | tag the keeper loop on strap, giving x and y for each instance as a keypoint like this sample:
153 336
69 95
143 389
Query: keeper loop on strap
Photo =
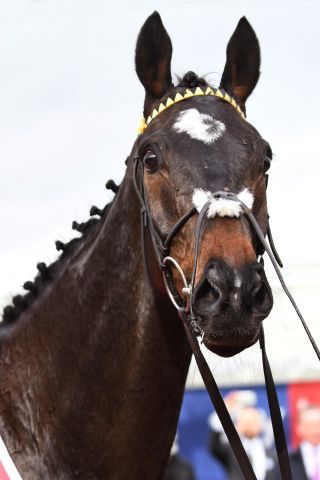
144 217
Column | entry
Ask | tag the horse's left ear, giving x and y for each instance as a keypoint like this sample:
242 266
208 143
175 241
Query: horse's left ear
153 58
242 68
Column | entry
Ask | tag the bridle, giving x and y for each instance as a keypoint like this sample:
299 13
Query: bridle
160 261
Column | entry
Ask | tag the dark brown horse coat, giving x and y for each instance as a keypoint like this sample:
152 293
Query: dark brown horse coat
93 364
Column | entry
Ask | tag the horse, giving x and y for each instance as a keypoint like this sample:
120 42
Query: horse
94 357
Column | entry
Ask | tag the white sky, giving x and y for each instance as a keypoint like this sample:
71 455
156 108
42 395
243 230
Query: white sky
70 104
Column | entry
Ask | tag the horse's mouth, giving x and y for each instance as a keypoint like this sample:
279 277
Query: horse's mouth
230 305
227 343
225 349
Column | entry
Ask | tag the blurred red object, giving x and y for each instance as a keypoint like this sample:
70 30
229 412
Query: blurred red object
3 473
301 395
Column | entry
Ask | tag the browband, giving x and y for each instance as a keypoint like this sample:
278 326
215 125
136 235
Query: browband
189 93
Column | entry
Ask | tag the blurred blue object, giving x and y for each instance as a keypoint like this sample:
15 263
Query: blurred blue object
194 430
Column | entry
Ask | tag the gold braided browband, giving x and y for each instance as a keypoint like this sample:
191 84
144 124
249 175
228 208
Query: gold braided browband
213 92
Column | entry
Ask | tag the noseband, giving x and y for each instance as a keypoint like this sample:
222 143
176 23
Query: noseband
184 304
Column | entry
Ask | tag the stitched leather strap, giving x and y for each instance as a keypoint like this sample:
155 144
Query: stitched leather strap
152 241
277 425
218 403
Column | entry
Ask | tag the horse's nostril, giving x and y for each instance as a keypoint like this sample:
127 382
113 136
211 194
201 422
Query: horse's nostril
209 291
215 277
227 291
259 293
214 292
261 298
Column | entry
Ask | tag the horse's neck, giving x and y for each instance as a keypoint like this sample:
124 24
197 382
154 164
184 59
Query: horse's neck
94 371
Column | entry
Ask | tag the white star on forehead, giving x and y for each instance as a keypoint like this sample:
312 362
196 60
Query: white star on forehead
200 126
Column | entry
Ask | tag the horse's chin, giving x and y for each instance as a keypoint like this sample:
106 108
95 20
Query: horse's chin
231 347
224 350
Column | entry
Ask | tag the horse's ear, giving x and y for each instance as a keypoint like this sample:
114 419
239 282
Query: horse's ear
153 58
242 68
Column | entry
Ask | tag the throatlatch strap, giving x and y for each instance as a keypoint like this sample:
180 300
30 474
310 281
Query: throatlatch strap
218 403
276 420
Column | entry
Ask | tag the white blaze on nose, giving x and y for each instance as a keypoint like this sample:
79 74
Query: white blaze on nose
237 281
222 207
199 126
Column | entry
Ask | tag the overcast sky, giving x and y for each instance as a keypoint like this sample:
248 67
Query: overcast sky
70 104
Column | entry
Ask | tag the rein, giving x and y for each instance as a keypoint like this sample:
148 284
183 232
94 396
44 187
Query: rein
161 262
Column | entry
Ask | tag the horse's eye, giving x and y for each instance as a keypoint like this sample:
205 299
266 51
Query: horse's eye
267 159
150 161
266 163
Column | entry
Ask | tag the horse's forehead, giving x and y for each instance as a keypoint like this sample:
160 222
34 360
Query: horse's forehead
209 122
208 143
200 126
209 131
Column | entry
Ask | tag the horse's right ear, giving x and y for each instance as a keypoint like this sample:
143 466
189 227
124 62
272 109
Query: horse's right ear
153 58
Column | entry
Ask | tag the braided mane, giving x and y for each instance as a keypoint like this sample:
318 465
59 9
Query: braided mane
46 274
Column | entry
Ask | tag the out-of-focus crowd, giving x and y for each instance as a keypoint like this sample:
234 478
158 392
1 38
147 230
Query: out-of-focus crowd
255 430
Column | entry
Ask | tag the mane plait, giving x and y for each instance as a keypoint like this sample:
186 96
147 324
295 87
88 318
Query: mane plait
46 274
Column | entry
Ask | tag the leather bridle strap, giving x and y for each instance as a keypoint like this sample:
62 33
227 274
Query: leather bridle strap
258 231
218 402
269 234
149 236
224 416
190 329
161 247
201 217
191 326
190 322
275 412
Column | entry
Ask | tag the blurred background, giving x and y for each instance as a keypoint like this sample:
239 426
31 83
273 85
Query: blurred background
70 104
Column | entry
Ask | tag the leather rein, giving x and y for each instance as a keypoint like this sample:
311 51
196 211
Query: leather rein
161 261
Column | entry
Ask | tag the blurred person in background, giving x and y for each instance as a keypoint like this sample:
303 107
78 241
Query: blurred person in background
305 460
178 468
251 426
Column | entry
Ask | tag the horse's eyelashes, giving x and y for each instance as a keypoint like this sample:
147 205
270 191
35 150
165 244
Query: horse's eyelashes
266 163
150 161
267 158
269 152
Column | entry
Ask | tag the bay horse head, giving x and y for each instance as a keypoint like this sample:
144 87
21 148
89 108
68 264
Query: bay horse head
195 141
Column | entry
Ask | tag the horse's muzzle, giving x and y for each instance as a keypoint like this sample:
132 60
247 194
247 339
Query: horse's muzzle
231 304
